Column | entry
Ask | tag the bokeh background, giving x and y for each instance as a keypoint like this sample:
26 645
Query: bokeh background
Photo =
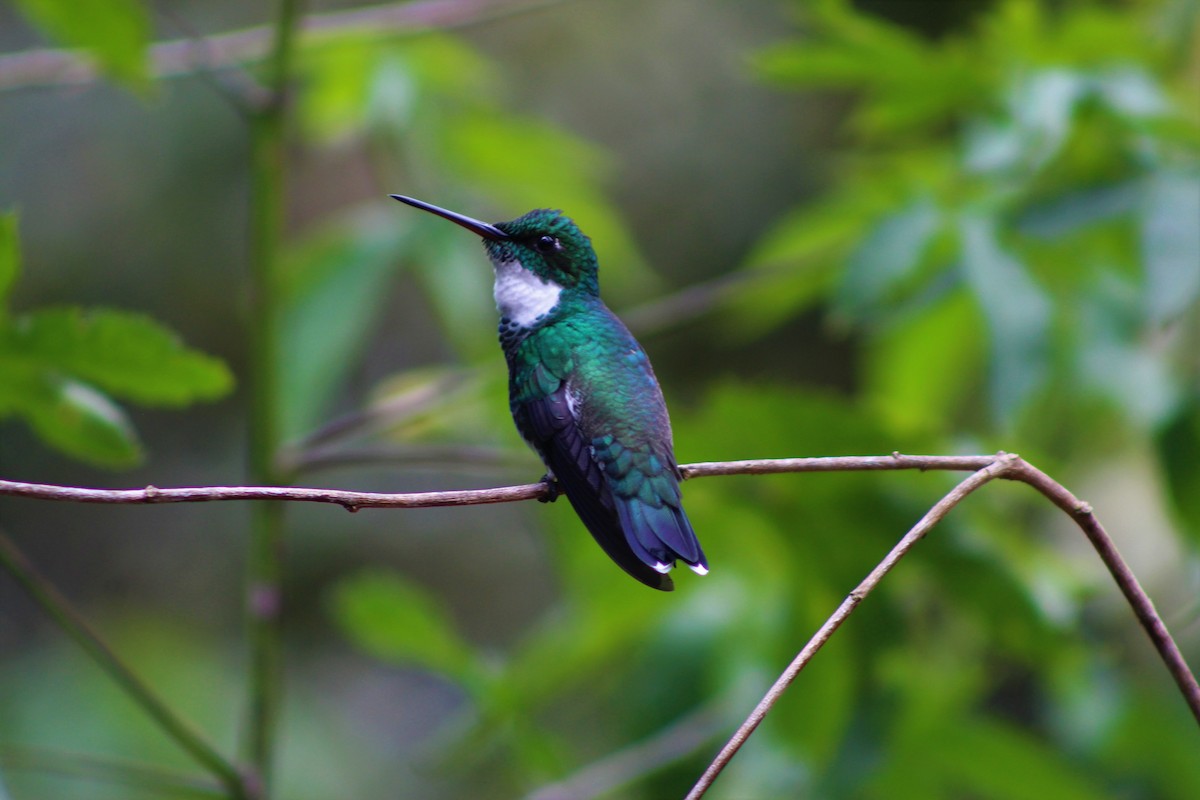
837 227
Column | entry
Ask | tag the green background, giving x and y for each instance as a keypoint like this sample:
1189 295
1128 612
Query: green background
837 228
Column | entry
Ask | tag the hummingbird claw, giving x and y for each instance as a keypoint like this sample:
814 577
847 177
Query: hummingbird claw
552 490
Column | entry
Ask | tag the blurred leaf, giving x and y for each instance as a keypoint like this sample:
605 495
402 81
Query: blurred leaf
364 81
797 260
527 164
890 254
1179 452
999 762
70 416
455 273
1131 91
115 32
1042 108
1171 243
1016 310
10 259
398 621
335 293
1154 727
1112 360
901 388
127 354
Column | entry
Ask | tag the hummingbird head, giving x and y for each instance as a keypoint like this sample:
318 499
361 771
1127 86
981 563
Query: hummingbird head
544 242
551 246
536 258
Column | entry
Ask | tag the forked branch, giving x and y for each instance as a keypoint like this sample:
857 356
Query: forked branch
984 469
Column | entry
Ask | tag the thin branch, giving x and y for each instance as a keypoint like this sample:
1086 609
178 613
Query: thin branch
989 473
180 57
1003 466
1141 603
676 741
1013 468
73 624
119 771
353 501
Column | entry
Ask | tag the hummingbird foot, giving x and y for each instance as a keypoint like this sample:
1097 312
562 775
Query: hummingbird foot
552 490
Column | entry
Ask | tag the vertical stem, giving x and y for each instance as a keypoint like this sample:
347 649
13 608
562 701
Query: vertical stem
263 601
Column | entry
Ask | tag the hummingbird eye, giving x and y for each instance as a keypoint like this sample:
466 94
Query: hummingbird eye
547 244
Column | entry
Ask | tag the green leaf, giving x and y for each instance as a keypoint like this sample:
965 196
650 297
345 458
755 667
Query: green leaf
988 759
1017 313
1114 362
115 32
1179 454
396 620
890 254
1170 232
10 258
70 416
129 355
335 293
902 388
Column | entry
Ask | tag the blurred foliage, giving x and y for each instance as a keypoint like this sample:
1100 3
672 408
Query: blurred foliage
58 367
114 33
1011 229
1019 202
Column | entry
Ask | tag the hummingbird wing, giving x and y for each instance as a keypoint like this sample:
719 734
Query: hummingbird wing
546 420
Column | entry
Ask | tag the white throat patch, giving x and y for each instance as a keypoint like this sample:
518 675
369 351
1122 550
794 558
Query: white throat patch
522 296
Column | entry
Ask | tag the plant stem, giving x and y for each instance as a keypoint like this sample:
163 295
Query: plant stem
117 771
263 601
69 620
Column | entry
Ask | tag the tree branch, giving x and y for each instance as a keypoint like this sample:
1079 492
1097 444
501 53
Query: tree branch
50 67
987 468
1007 466
74 625
989 473
353 501
117 771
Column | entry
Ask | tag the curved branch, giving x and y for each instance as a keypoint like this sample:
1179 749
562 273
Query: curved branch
994 470
1003 465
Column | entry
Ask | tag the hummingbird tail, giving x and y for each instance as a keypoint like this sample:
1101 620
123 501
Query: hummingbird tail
660 535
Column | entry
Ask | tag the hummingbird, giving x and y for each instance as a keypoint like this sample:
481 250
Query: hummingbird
583 394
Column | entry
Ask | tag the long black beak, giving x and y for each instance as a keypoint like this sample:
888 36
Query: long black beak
475 226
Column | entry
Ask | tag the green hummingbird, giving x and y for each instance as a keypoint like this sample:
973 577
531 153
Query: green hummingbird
583 394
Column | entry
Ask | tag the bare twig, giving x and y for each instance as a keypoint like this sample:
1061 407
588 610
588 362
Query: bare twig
178 57
994 470
67 618
678 740
353 501
1141 603
1003 466
119 771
